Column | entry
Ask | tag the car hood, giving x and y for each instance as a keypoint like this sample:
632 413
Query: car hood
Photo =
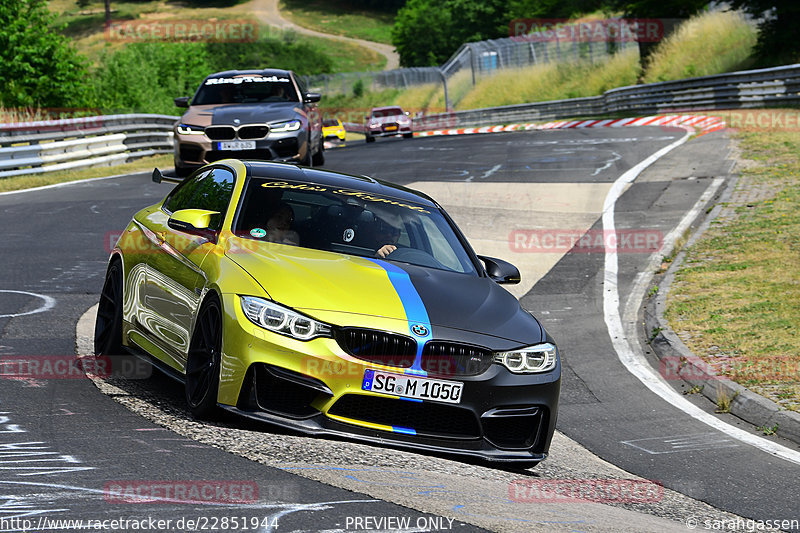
313 280
207 115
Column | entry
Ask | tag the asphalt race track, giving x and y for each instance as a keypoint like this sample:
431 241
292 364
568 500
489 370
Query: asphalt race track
64 444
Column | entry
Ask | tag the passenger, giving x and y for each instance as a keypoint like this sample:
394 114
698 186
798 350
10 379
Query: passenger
279 226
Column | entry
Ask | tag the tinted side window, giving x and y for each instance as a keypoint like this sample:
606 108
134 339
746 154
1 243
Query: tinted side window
209 190
301 86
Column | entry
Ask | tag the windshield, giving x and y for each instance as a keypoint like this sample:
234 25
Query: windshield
349 221
387 112
246 90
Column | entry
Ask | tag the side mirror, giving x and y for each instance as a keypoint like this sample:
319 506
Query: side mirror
500 271
312 97
181 101
193 221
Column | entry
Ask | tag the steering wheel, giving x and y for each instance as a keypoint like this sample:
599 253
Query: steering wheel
415 257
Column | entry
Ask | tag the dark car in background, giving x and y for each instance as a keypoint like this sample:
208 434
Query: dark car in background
387 122
255 114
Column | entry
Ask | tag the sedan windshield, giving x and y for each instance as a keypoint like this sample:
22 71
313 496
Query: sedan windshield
350 221
246 90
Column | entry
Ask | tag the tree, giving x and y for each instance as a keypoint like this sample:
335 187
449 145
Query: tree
38 67
777 38
427 32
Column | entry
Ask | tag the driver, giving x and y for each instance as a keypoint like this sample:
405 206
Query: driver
386 233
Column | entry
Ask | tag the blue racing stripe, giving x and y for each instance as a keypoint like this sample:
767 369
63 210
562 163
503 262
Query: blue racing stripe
407 431
415 311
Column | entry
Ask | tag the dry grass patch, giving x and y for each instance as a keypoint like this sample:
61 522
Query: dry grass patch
553 81
710 43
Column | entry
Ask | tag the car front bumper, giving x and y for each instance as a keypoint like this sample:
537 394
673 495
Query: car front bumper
198 150
315 387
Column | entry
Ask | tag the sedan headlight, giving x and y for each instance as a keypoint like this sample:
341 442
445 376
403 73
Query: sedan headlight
528 360
283 320
375 125
186 129
291 125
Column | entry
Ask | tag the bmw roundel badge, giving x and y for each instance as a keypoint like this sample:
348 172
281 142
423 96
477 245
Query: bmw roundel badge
419 329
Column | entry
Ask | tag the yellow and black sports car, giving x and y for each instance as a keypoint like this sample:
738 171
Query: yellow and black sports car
331 304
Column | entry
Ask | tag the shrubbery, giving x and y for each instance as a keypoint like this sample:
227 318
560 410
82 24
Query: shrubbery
145 77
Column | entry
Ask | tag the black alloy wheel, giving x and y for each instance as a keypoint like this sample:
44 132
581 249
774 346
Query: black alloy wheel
108 325
203 362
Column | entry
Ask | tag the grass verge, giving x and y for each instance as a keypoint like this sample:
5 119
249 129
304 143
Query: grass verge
710 43
27 182
340 17
736 298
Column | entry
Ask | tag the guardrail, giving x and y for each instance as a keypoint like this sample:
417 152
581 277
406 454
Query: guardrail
772 87
50 145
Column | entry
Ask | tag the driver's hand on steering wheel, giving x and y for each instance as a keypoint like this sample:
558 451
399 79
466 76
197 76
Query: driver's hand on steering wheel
385 250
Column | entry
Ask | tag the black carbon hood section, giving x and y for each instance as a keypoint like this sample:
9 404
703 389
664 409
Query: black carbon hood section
473 304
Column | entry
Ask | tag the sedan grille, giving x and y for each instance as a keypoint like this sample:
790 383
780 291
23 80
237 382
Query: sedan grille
378 347
221 133
454 359
257 131
425 418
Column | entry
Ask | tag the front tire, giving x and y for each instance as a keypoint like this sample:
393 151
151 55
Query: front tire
203 362
408 136
318 159
108 325
369 139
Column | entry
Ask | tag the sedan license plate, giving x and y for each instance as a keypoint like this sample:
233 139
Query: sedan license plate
390 128
236 145
412 387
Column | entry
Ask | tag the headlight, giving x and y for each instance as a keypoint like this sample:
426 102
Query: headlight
403 120
375 125
292 125
185 129
279 319
538 358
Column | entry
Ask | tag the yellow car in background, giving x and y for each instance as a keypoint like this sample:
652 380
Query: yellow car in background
332 128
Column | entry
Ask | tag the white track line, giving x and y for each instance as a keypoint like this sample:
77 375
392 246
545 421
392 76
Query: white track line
634 359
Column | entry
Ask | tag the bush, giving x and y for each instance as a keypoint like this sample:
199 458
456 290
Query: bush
145 77
38 67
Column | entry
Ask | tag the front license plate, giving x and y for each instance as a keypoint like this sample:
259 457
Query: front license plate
412 386
236 145
390 128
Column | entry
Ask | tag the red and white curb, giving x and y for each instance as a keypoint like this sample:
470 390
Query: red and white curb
700 123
